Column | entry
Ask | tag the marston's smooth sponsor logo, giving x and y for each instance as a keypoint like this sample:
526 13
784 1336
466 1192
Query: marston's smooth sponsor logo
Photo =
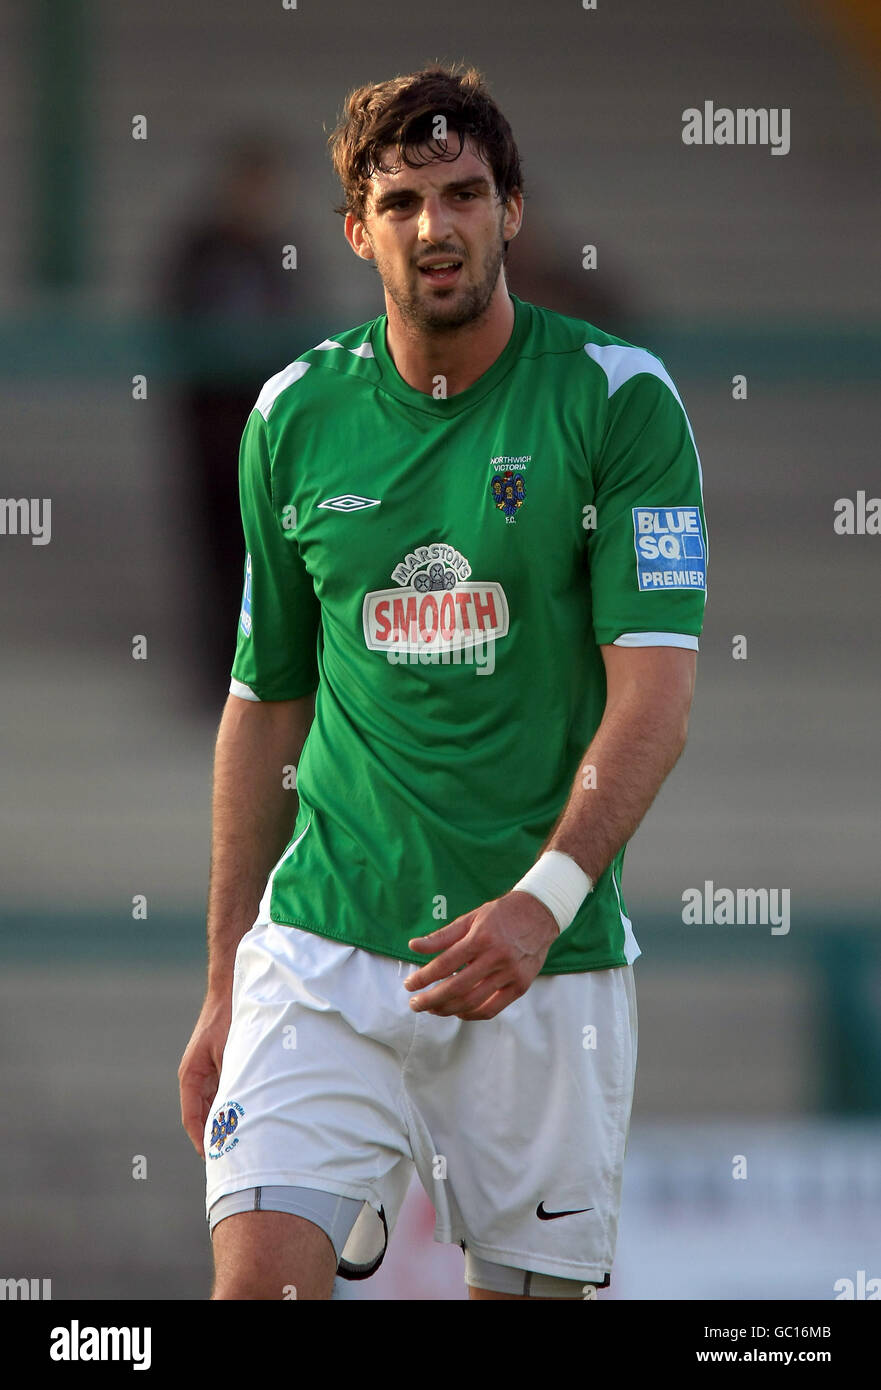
438 607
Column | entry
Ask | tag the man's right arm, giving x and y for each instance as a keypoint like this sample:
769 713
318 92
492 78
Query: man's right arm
253 817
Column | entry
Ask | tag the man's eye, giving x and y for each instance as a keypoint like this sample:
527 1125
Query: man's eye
464 194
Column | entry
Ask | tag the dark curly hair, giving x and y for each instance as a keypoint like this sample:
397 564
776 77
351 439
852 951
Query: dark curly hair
401 113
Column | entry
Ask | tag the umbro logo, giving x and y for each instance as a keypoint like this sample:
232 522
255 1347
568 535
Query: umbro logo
349 502
552 1215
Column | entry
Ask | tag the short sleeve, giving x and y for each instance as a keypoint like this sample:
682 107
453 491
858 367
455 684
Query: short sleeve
275 657
647 553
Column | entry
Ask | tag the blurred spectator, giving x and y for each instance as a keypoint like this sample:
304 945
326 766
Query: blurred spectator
547 271
222 283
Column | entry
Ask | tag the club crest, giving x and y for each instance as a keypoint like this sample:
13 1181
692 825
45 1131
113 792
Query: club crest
223 1129
508 493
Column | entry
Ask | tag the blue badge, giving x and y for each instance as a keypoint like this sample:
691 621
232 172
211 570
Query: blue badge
224 1124
245 619
508 493
670 552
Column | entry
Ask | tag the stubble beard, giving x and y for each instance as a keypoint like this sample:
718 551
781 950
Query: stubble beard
461 306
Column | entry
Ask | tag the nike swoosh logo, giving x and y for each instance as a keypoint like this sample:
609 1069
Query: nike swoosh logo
552 1215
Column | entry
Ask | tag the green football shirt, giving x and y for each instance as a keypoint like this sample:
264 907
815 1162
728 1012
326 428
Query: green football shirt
442 572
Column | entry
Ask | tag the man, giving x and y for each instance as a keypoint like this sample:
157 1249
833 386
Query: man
482 689
224 266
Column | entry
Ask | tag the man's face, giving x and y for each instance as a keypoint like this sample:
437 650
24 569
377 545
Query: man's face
442 211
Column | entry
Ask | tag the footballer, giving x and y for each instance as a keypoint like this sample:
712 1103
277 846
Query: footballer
475 580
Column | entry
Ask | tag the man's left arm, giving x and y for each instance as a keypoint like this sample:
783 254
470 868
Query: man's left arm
490 956
640 738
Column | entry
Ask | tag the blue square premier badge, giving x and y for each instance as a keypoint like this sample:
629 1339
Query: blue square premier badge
245 619
670 551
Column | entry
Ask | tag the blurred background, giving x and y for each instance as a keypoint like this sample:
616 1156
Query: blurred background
155 162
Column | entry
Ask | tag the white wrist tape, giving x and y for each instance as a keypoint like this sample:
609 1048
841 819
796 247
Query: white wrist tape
558 882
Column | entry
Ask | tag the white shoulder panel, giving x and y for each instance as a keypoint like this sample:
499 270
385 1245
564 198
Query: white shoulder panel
362 350
276 384
621 363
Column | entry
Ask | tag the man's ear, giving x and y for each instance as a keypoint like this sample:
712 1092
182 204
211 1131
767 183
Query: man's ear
359 238
512 219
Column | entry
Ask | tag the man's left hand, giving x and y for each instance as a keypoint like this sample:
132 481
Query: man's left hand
489 957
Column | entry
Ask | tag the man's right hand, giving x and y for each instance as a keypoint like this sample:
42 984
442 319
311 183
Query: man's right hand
254 812
199 1070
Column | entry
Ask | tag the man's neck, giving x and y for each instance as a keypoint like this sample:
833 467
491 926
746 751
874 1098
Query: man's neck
460 356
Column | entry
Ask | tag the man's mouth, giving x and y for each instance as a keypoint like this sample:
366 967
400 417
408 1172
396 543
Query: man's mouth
441 272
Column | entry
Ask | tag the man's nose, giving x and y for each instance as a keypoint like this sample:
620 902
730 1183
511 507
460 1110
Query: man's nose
434 219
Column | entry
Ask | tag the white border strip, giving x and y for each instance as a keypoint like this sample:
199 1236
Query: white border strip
632 949
243 691
656 639
263 913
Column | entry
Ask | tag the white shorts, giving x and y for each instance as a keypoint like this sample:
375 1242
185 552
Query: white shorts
517 1125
